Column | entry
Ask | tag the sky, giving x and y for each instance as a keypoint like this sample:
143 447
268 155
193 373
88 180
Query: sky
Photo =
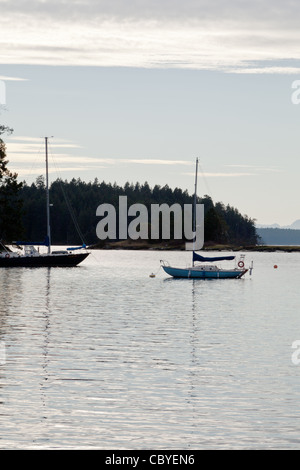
136 90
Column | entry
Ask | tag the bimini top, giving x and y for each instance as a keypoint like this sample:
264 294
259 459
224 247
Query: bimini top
197 257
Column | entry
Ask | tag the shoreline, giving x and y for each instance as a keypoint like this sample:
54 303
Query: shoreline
180 246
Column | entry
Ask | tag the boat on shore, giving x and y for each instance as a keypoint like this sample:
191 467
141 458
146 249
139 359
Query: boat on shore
25 254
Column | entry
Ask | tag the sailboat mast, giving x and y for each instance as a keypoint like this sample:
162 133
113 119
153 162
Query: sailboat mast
47 197
195 205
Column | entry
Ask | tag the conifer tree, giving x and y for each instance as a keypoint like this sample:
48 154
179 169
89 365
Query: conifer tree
10 200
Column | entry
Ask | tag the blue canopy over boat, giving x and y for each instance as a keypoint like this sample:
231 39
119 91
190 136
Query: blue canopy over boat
197 257
77 247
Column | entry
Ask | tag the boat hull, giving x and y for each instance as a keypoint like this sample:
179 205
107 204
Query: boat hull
193 273
46 261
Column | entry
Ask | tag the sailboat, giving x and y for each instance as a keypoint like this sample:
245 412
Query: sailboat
31 257
206 270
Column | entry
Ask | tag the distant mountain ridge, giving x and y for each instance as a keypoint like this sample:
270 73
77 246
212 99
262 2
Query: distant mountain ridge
294 226
279 236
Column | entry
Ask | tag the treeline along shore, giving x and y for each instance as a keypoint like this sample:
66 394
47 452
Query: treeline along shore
74 220
74 213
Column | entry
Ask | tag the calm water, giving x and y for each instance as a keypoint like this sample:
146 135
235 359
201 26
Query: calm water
103 356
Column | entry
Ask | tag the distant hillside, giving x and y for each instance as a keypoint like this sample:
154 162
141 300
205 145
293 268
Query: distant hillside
295 225
279 236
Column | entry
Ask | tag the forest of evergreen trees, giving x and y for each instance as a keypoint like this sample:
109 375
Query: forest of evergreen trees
74 204
10 202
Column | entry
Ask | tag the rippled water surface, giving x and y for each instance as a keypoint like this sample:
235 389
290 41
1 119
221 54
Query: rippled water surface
104 356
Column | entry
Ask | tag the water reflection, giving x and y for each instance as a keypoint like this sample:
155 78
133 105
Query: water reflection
105 357
45 347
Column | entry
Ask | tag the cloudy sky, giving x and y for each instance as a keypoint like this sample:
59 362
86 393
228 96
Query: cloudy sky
136 90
